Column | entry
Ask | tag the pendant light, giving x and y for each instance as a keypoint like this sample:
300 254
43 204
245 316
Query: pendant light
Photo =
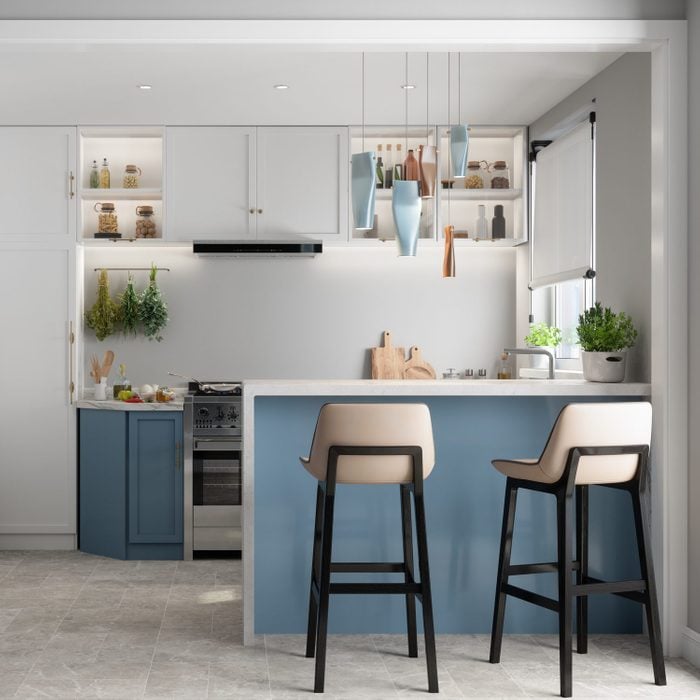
405 202
363 177
459 134
427 155
448 261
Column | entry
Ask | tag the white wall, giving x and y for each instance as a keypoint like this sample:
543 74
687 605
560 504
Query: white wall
694 316
623 261
313 318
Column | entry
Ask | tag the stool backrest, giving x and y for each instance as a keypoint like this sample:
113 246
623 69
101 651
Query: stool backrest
375 424
598 425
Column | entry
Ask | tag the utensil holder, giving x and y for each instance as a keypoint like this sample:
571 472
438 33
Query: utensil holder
101 390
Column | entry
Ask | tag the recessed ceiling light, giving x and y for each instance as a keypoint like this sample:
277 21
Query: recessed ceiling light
408 86
144 87
281 86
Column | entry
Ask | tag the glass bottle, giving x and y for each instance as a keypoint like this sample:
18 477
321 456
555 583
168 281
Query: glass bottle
131 177
474 180
398 164
104 175
145 224
94 176
498 223
504 367
380 167
500 179
481 229
388 167
122 384
106 218
410 167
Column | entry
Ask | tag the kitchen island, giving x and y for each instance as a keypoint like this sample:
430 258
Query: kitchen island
474 421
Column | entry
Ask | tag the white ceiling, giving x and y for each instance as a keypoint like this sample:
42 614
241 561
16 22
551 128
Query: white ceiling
229 85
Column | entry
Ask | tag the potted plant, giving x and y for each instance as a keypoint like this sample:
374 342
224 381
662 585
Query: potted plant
543 336
604 337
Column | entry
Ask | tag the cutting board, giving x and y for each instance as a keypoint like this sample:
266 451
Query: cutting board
387 361
416 367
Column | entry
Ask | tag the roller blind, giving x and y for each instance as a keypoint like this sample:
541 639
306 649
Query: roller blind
562 236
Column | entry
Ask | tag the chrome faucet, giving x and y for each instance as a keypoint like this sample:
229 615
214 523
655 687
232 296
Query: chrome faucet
534 351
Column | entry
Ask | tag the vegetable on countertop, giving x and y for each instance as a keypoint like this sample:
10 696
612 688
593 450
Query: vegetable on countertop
153 310
105 313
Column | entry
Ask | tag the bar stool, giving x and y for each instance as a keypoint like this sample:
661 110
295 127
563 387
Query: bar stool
371 444
603 444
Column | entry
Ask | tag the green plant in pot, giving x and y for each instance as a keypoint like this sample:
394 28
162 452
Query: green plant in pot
604 337
544 336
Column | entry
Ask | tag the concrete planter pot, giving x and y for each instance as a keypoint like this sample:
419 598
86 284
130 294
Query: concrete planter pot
604 366
541 361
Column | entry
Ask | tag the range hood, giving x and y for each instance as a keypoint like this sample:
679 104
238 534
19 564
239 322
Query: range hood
300 248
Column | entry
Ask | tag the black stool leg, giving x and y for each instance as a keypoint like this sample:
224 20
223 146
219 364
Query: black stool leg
324 586
499 606
582 558
315 577
565 526
650 603
426 597
407 532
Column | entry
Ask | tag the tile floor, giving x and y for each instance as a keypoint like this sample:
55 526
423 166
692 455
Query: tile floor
78 626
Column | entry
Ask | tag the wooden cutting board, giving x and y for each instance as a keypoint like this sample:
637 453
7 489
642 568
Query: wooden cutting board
387 361
416 367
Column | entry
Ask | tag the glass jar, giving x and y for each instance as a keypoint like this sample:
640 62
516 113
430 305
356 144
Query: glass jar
131 177
474 179
105 181
500 176
94 176
145 223
106 217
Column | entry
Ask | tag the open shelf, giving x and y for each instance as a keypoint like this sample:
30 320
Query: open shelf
137 194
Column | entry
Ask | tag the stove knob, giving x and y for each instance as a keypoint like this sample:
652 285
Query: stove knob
232 414
203 412
219 413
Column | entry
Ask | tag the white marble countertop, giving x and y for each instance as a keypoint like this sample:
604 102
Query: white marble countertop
111 405
440 387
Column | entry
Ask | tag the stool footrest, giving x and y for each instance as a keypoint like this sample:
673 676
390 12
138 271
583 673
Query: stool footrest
399 588
633 590
362 567
541 568
530 597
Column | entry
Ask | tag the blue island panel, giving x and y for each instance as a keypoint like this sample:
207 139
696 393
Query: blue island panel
464 503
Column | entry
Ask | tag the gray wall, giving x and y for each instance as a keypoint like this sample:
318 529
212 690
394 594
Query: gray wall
313 318
623 266
694 317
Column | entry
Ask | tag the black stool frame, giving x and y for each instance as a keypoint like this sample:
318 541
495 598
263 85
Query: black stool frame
322 566
641 591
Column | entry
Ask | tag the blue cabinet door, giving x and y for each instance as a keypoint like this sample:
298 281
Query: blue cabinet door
155 477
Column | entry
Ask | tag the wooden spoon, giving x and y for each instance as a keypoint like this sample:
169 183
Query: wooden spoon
107 361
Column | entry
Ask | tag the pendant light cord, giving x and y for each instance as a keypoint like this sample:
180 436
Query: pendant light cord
427 96
362 101
449 150
406 101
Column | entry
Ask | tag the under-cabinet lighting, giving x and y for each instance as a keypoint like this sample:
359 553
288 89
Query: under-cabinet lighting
281 86
408 86
145 87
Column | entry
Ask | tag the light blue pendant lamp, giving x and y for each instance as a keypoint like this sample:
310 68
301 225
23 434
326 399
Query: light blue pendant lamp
406 203
363 177
459 134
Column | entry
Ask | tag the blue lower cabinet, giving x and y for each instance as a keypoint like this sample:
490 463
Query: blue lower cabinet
131 484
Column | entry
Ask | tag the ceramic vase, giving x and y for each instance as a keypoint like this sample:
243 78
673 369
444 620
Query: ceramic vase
427 167
405 207
459 146
364 184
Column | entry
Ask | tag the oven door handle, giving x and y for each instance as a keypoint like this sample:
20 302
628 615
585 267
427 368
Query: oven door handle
216 445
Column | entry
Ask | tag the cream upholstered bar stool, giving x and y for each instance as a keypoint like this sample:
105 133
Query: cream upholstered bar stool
371 444
602 444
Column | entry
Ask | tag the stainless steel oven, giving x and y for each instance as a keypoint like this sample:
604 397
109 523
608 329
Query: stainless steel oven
213 474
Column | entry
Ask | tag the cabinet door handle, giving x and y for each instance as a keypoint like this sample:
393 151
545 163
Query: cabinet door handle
71 181
251 211
177 455
259 211
71 343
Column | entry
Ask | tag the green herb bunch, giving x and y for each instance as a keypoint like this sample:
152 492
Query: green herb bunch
542 334
129 306
105 313
601 330
153 310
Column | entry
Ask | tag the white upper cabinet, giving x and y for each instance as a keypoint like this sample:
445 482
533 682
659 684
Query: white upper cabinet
210 182
302 180
271 182
37 183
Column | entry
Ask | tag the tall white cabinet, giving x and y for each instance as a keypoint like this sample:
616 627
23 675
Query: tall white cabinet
38 315
265 182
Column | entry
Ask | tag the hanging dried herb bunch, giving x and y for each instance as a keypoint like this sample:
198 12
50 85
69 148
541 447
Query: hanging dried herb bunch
105 313
153 311
129 306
